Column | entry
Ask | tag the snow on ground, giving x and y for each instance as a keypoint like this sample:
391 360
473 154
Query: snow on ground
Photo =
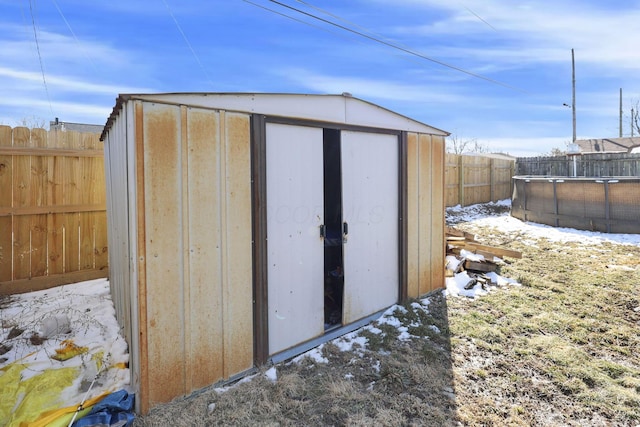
71 326
483 216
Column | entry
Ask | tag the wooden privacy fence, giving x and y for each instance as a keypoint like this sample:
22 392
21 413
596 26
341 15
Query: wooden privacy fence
587 165
53 226
477 179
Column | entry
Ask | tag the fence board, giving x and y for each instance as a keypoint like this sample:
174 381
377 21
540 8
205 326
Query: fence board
52 208
101 246
86 229
38 226
477 179
21 197
6 197
587 165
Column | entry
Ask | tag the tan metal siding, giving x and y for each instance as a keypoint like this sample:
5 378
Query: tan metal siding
138 236
195 256
163 240
117 218
426 212
436 228
205 259
413 230
238 284
425 206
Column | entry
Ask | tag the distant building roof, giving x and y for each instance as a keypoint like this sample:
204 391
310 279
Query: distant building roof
608 145
77 127
502 156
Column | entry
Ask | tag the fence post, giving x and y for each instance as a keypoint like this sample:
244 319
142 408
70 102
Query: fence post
461 180
492 177
607 206
513 173
556 211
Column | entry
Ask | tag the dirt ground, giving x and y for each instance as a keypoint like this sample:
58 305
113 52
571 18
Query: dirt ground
562 349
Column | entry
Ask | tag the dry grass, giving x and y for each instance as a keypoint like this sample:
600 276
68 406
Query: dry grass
561 350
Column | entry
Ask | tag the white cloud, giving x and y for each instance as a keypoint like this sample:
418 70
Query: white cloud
78 111
69 84
370 88
532 32
524 147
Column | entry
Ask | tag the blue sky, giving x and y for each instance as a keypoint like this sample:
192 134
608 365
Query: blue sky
516 56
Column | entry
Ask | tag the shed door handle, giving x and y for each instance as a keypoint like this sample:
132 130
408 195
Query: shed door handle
345 228
323 231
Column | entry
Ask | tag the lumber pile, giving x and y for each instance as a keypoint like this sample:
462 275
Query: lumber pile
465 253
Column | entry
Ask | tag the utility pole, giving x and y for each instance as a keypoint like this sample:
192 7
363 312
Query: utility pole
620 112
573 101
632 115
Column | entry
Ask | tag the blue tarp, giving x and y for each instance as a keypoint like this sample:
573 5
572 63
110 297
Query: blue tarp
115 409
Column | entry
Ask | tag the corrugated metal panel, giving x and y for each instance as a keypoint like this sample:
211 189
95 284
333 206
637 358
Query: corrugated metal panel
165 288
120 190
413 215
436 228
205 317
237 255
196 293
295 249
425 212
117 218
130 265
370 208
425 202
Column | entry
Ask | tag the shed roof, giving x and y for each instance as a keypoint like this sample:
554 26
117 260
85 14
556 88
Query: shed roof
343 109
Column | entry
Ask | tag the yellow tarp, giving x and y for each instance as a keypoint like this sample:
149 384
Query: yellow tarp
61 417
43 392
35 402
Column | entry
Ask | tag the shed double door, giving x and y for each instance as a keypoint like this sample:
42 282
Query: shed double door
296 195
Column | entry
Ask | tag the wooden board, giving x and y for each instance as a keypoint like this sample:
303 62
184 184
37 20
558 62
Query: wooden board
500 252
479 266
55 226
21 197
39 184
6 224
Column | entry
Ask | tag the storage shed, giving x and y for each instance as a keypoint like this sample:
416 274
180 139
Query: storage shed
247 228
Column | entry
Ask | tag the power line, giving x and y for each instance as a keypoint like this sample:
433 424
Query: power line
479 17
336 16
55 3
184 36
35 36
292 18
398 47
351 23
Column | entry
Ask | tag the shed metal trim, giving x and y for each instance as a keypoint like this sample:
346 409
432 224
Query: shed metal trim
269 104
